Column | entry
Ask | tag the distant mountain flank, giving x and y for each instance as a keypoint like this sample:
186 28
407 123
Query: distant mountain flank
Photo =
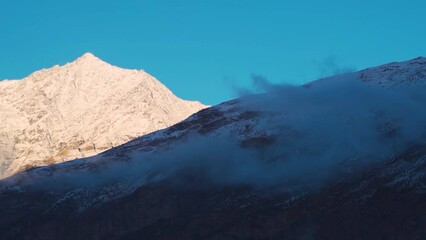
81 109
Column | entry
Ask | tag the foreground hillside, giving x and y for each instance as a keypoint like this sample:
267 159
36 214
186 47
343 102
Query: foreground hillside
339 158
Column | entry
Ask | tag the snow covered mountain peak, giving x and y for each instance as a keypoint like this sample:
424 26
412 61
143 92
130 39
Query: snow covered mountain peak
81 109
89 61
88 57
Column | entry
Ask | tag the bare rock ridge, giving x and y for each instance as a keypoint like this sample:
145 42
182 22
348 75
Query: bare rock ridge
80 109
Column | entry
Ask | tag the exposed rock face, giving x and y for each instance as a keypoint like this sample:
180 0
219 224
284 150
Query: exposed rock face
80 109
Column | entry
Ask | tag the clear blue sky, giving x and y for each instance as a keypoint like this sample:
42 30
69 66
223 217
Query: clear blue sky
201 49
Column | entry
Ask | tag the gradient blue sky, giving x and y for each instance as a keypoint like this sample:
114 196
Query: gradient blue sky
201 49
